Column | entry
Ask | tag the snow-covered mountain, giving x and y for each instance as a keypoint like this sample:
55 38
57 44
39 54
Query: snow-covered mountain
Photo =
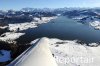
89 16
24 15
13 23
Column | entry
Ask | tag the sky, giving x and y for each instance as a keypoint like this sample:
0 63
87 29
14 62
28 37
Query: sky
18 4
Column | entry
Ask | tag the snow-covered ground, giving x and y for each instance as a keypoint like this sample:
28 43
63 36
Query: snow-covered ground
92 21
10 36
70 53
21 26
5 55
65 52
27 25
95 24
3 27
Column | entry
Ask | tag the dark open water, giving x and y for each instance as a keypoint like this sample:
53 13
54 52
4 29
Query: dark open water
63 28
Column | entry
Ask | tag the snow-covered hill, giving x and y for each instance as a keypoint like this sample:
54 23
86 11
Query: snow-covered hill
24 26
10 37
65 52
71 53
90 17
95 24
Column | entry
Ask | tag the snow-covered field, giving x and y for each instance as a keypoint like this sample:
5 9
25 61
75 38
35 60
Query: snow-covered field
10 36
70 53
3 27
65 52
27 25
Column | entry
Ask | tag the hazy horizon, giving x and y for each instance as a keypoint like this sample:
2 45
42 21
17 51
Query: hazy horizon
18 4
